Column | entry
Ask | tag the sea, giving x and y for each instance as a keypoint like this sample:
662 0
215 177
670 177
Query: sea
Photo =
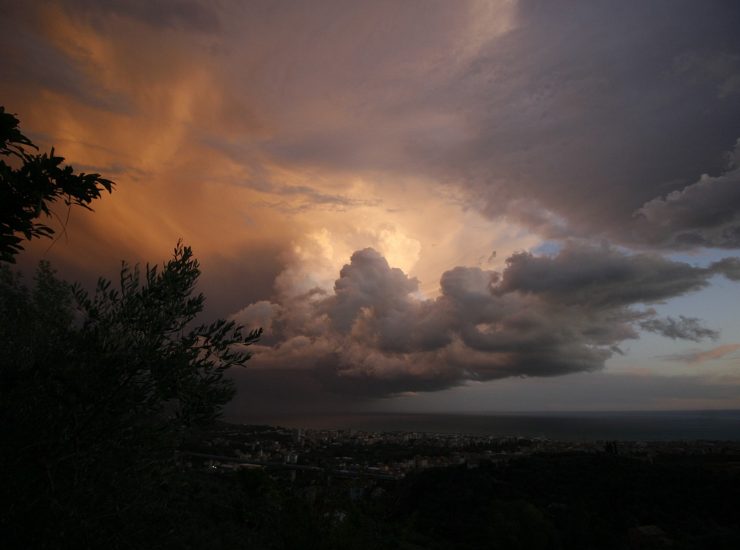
693 425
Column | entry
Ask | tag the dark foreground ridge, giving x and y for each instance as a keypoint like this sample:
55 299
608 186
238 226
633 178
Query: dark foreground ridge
262 487
409 490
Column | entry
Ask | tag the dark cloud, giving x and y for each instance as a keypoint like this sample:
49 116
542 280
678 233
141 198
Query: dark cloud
729 267
593 391
33 62
195 15
543 316
587 115
270 397
706 213
594 120
287 391
601 276
603 119
683 328
222 277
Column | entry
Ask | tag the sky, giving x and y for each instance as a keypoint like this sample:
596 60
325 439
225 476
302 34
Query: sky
464 206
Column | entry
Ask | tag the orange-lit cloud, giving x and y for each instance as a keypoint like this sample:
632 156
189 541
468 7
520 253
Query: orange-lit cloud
206 134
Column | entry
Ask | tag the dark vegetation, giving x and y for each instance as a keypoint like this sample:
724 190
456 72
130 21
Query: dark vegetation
96 390
539 502
570 501
99 391
96 394
30 183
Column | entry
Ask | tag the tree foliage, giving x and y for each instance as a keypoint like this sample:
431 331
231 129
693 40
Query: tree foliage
97 390
28 189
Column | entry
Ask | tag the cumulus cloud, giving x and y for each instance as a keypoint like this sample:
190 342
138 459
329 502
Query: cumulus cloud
542 316
705 213
601 276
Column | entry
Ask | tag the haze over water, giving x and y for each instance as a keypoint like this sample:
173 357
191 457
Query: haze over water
566 426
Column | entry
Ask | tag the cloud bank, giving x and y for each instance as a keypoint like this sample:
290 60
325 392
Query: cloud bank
599 119
542 316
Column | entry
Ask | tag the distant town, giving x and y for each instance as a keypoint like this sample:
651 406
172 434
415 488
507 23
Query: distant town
409 489
393 455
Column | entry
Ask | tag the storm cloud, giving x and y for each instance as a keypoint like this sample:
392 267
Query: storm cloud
597 118
542 316
705 213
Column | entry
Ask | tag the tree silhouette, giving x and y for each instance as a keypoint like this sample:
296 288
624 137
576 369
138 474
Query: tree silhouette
30 188
97 390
